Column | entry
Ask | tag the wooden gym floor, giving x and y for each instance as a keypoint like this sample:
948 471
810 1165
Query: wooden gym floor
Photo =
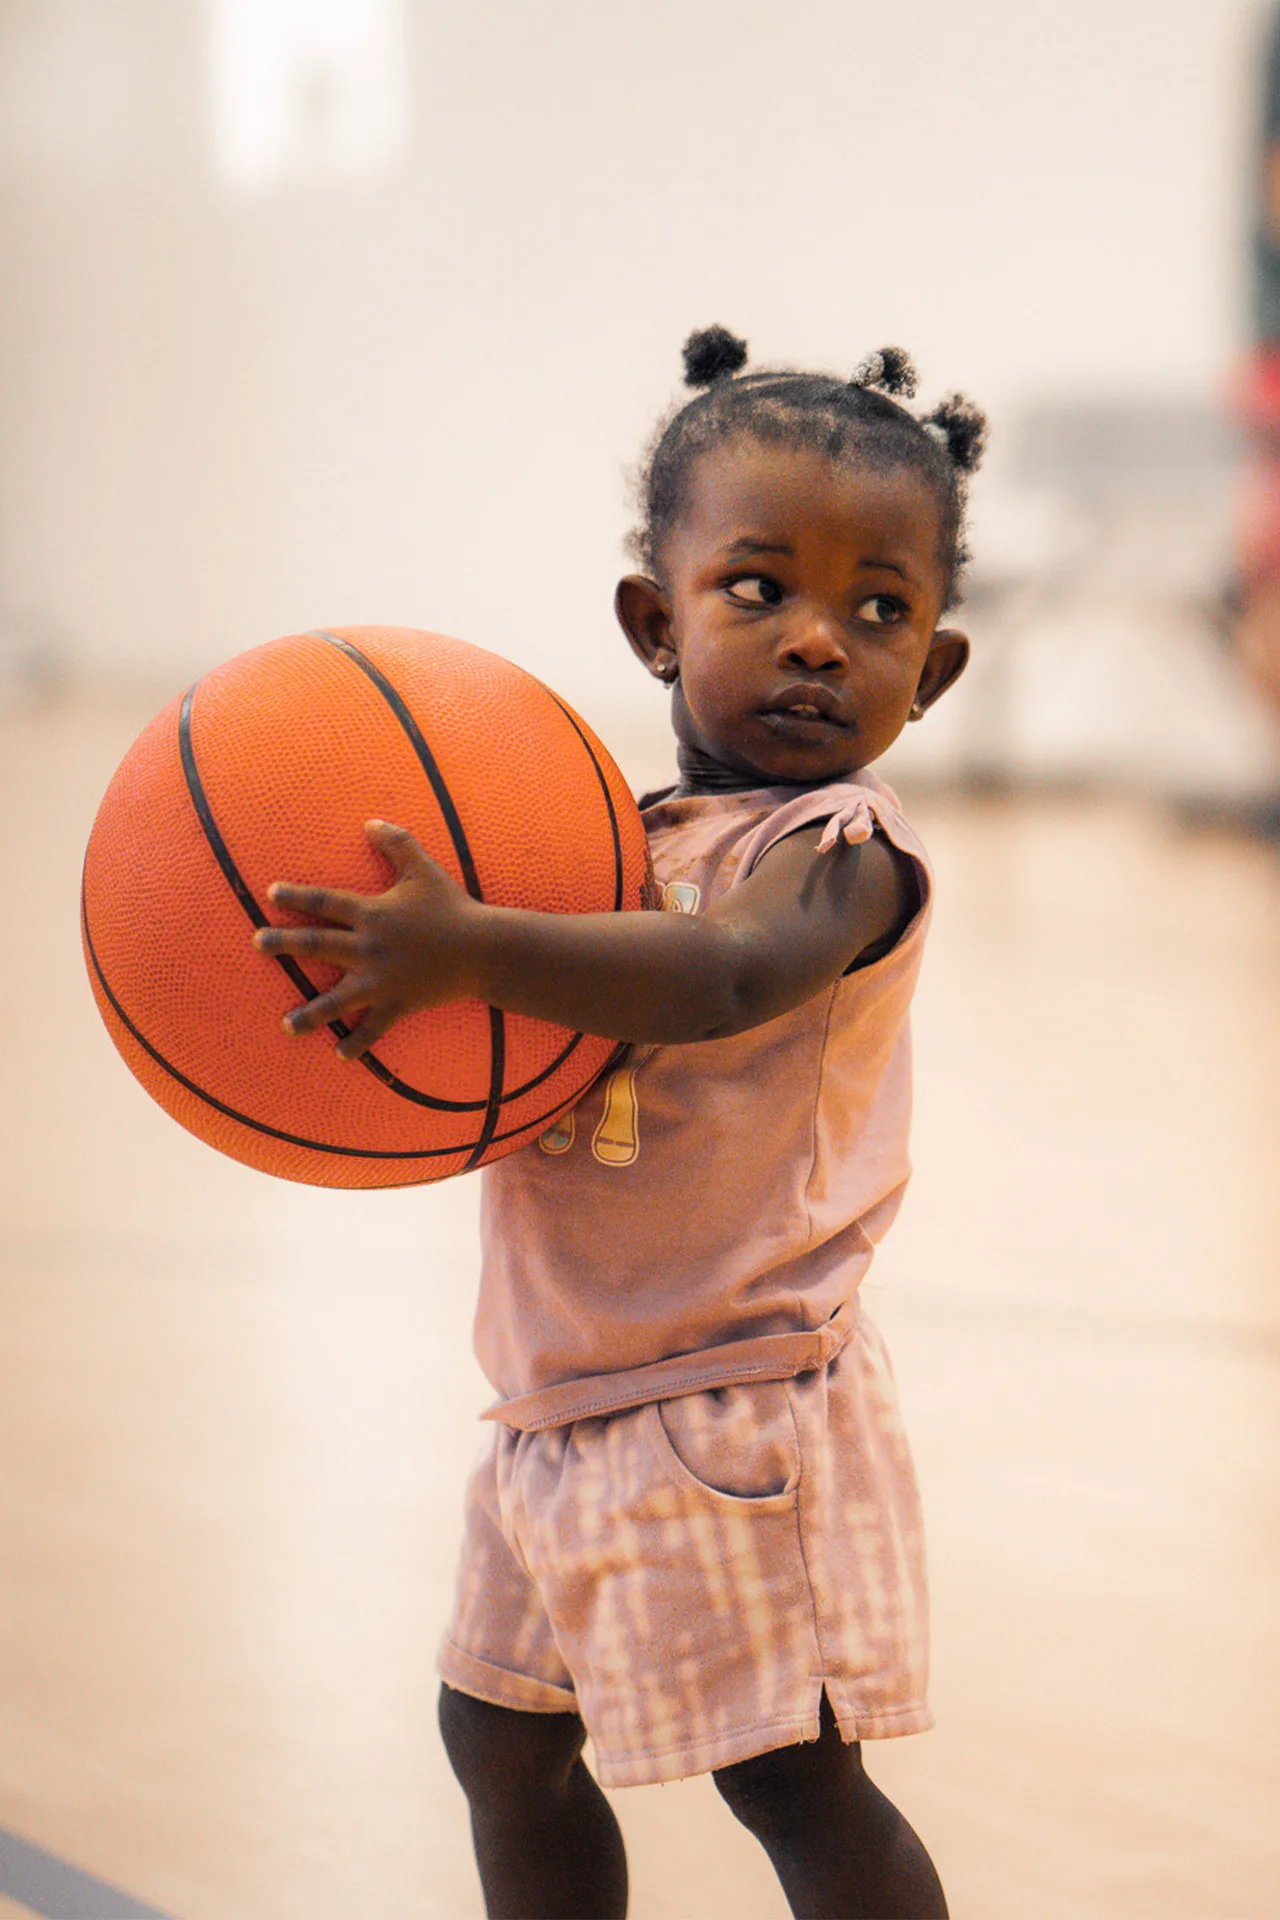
235 1417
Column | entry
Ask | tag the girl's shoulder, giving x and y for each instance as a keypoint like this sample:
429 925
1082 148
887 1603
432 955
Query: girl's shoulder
742 826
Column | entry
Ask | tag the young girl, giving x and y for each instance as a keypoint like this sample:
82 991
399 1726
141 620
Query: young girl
697 1535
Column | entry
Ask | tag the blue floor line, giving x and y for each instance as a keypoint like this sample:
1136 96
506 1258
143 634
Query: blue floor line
57 1891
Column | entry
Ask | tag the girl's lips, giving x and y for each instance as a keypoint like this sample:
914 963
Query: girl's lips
806 708
799 727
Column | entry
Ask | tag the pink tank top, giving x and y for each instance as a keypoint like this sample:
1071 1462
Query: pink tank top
705 1213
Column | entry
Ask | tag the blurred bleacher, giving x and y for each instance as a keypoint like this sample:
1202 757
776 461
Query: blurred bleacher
1098 603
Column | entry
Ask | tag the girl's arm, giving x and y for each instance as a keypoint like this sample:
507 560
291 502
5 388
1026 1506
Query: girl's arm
766 946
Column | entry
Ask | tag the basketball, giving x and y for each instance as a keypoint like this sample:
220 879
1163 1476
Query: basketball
267 769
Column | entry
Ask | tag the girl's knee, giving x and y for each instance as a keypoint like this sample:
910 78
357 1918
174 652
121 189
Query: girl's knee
501 1754
765 1790
791 1787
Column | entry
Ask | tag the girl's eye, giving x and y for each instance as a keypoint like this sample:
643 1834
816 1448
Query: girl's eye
882 610
755 590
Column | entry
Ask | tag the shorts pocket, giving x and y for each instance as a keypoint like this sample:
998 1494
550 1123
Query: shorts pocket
735 1443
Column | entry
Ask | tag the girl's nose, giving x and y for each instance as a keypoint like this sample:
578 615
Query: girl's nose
814 643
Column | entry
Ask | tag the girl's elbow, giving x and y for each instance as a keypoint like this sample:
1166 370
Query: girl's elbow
726 994
741 1006
712 1015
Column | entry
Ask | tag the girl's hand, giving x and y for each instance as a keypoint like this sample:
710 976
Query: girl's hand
400 950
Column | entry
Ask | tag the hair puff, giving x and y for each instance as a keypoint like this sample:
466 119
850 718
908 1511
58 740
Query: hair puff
964 428
891 370
858 421
712 354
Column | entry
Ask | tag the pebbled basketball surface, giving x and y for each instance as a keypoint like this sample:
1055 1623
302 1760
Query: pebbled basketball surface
267 770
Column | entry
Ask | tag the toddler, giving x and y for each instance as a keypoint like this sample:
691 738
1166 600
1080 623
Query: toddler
696 1536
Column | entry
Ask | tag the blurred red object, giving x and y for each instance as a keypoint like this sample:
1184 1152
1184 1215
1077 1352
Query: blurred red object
1255 401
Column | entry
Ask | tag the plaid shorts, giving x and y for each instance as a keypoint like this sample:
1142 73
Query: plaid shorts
691 1574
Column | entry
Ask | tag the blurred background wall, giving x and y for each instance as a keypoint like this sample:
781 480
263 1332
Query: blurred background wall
323 311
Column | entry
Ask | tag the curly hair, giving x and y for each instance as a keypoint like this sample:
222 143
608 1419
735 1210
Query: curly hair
856 419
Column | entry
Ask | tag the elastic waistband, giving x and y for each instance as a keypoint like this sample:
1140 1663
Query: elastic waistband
767 1356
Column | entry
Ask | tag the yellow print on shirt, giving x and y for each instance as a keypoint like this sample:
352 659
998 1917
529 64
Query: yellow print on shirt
558 1137
616 1140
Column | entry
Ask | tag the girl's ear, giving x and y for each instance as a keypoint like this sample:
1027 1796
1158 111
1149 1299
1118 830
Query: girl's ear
645 618
946 660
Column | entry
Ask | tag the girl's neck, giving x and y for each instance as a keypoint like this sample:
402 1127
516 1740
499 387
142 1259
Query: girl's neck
699 773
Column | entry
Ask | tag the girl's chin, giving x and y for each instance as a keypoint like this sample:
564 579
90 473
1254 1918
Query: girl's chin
802 753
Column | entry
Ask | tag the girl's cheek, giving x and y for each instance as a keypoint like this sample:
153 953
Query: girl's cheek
706 682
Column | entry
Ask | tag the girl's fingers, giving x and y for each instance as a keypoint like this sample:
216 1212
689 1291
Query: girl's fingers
322 903
334 944
363 1035
324 1008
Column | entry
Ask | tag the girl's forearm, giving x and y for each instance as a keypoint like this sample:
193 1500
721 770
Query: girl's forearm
646 977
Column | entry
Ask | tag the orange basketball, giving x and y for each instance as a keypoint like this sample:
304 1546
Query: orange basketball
267 769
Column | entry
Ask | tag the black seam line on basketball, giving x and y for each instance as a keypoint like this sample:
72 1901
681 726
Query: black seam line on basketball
444 799
498 1060
531 1127
572 718
453 822
288 965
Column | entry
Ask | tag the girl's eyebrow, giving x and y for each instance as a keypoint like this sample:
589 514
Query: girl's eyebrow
741 549
747 547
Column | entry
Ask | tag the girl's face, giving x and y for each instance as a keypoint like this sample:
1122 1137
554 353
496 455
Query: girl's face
799 615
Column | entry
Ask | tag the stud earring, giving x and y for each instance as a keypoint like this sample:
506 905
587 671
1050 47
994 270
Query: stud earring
917 708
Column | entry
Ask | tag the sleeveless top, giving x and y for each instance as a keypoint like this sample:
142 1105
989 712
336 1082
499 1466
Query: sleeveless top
705 1213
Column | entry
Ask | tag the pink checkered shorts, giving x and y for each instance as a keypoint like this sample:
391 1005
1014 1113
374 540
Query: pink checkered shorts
689 1575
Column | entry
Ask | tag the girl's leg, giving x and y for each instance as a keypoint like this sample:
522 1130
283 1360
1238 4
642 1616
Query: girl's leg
547 1844
841 1850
